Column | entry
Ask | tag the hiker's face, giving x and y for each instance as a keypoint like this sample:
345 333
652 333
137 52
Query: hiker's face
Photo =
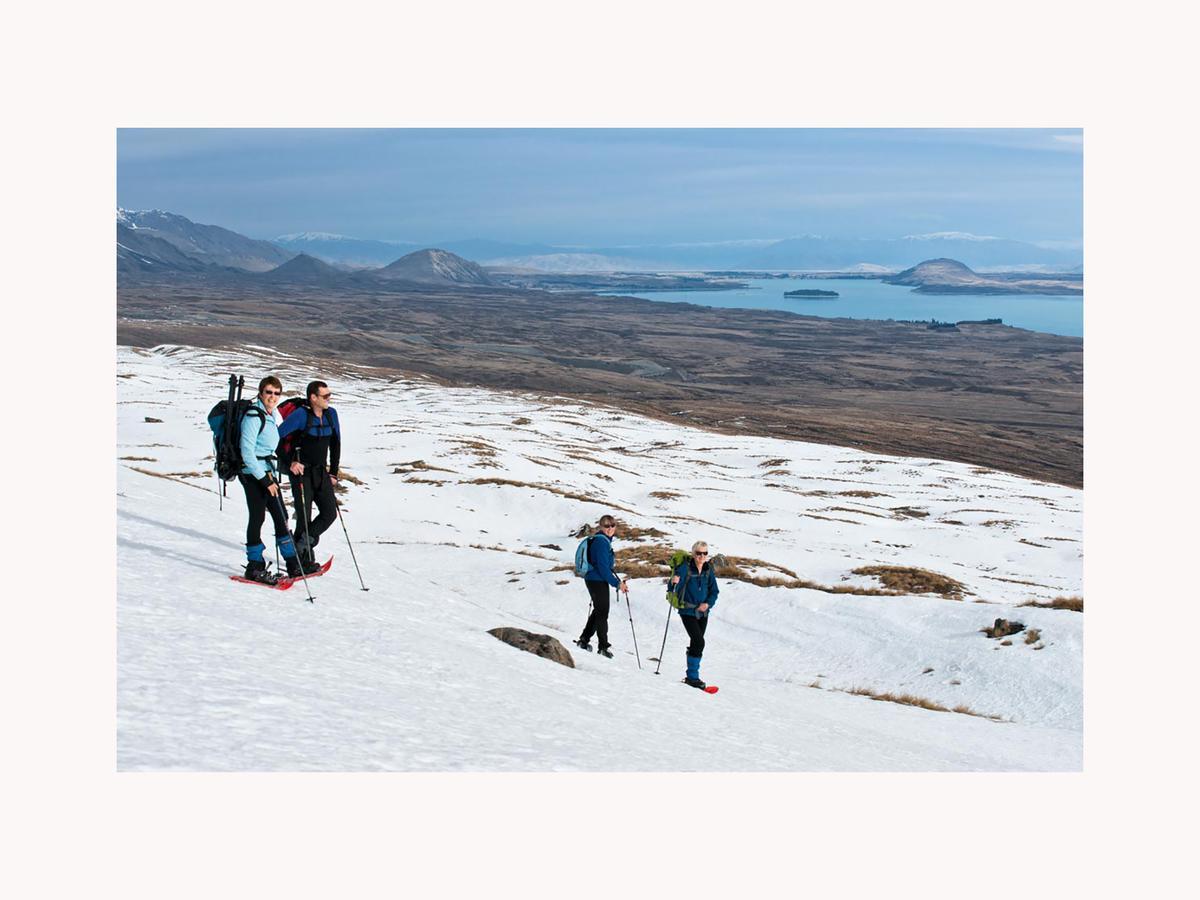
321 399
270 397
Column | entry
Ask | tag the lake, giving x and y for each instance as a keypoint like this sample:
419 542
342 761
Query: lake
872 299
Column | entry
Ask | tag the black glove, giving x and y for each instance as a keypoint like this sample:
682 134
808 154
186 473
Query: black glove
265 481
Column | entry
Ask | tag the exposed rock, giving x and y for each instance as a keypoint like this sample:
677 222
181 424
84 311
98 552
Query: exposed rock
1003 628
538 644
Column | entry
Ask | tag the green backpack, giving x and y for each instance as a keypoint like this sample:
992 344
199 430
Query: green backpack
675 593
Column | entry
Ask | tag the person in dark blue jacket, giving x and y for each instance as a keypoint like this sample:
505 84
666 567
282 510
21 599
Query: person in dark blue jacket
599 577
316 452
699 594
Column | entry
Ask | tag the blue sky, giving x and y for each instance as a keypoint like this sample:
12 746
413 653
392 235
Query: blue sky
608 187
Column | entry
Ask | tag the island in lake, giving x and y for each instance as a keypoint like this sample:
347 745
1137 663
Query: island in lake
811 295
949 276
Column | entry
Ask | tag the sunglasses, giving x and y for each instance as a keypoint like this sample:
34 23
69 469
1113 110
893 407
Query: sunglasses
701 553
272 393
324 396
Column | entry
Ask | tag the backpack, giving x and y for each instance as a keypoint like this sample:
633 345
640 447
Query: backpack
675 593
225 420
582 565
288 445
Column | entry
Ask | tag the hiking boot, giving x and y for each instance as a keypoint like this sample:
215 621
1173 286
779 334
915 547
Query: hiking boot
695 682
606 650
256 570
583 645
294 569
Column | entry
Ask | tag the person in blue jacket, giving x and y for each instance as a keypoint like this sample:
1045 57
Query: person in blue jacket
316 452
259 478
599 577
699 595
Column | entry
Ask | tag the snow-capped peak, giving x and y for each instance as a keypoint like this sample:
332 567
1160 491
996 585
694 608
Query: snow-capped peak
949 236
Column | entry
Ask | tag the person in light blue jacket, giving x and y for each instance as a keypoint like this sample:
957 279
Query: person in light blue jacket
258 439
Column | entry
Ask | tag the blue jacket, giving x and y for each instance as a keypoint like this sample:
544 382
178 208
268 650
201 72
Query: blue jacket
318 440
696 588
600 558
259 439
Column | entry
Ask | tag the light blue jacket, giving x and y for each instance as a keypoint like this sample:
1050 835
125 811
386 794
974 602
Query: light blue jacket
259 438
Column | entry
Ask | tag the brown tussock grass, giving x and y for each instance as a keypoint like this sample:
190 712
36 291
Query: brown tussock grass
911 580
914 700
866 495
1033 635
570 495
665 495
417 465
1075 604
138 458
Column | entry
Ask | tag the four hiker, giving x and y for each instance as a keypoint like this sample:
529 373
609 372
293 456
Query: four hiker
317 436
698 592
258 439
600 576
313 456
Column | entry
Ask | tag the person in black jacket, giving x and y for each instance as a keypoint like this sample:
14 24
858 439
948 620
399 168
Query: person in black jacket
318 437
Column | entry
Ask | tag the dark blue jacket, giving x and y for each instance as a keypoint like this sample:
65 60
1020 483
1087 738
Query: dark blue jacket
600 558
696 588
317 438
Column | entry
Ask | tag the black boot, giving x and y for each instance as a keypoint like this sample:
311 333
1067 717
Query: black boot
583 645
256 570
294 569
695 682
307 557
605 650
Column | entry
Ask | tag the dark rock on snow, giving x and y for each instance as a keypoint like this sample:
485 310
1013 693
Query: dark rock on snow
538 644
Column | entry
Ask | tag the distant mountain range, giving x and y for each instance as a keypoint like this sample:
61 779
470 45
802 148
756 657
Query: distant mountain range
208 245
155 240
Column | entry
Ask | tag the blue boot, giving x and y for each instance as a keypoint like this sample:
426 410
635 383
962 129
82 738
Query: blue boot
693 672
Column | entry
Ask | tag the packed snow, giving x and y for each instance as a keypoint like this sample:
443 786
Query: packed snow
216 675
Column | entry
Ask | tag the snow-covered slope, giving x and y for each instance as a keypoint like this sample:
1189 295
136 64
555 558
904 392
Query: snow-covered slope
219 676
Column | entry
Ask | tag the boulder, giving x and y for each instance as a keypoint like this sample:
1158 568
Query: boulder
538 644
1003 628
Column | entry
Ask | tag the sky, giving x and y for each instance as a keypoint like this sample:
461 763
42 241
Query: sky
612 187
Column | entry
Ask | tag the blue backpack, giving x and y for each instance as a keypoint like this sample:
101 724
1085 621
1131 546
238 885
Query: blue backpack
225 420
582 566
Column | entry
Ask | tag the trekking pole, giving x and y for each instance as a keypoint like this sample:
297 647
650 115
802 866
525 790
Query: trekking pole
350 545
664 646
307 520
283 506
629 606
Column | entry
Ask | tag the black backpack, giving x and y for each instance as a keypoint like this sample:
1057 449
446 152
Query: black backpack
225 420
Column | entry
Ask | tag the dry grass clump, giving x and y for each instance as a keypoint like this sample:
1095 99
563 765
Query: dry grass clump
911 580
865 495
665 495
570 495
521 420
913 700
139 458
417 465
1033 635
909 512
1075 604
627 532
773 463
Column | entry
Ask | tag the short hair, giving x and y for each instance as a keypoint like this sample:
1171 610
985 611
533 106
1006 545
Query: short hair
314 387
606 521
270 381
699 545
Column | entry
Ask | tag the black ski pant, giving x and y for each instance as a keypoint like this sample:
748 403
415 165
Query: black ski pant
259 501
317 487
597 622
695 627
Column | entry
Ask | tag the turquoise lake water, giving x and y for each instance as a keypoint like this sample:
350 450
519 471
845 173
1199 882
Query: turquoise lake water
872 299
